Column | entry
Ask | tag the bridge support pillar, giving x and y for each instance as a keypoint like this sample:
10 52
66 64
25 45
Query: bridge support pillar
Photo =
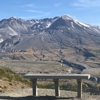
79 89
57 88
34 83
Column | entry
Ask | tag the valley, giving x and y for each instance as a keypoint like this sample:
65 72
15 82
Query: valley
51 45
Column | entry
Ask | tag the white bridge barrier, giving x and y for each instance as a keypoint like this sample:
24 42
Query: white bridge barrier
56 77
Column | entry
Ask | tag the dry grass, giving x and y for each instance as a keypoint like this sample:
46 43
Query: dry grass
24 66
11 80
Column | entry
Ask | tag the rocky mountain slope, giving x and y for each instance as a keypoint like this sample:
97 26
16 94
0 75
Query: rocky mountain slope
51 33
61 39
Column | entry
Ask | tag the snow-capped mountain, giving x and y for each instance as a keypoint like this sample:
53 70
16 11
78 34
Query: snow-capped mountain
50 33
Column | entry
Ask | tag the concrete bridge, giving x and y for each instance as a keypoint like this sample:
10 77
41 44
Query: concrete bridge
56 77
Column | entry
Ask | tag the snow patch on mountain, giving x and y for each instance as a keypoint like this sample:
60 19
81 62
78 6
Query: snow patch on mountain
98 31
1 40
81 24
61 30
66 17
84 24
68 28
72 24
12 34
31 22
76 21
48 25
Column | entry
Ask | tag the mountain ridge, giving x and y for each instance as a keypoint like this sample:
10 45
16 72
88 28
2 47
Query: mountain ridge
38 28
60 39
49 34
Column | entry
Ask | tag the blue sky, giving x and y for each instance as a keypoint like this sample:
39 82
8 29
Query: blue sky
87 11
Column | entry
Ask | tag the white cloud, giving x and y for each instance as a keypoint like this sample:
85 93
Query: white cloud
39 12
30 5
87 3
58 4
34 6
27 17
34 17
36 11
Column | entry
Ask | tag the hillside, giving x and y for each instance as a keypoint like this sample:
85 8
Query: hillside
9 80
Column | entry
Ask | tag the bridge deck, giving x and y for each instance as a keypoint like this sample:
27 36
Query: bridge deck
57 76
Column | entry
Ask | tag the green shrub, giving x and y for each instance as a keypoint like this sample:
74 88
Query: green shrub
4 87
68 87
48 86
10 83
12 76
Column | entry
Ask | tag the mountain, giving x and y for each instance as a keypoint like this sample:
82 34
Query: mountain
58 38
48 33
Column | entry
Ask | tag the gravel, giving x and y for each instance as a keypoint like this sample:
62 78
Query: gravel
44 94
